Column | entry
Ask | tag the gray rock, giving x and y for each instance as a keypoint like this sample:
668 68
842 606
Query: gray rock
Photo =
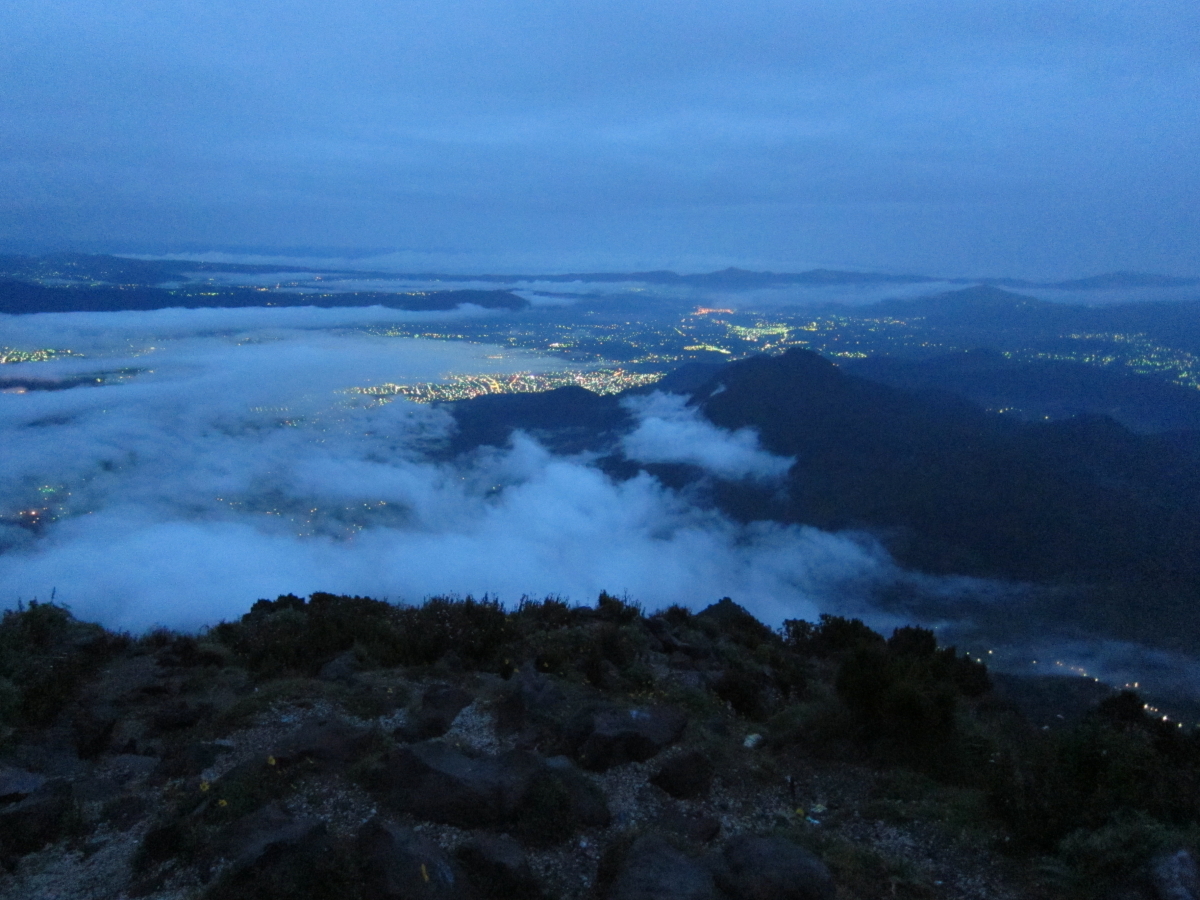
1175 877
249 838
435 714
343 668
37 820
498 867
772 868
544 801
587 799
17 784
437 782
654 870
399 864
327 744
534 703
617 736
687 776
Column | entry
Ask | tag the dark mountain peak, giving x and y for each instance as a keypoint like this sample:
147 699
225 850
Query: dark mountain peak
982 296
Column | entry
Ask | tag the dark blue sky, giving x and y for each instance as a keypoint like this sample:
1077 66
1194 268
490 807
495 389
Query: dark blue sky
1038 139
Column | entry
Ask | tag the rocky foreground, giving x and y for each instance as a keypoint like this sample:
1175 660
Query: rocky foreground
344 748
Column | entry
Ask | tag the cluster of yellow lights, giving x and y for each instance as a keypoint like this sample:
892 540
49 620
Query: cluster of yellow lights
12 355
464 387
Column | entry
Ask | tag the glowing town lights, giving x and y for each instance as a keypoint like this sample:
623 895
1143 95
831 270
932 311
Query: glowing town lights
464 387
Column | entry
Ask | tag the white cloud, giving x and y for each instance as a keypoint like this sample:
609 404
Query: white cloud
671 431
235 469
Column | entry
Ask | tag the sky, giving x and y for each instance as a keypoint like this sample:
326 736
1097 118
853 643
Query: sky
1030 138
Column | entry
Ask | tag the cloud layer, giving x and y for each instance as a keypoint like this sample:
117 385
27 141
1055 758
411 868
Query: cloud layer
668 430
230 465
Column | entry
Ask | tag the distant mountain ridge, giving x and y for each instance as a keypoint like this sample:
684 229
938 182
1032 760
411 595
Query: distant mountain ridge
975 315
1043 389
116 269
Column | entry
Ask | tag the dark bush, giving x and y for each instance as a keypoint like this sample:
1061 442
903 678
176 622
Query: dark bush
552 612
1116 762
613 609
289 635
745 691
832 636
45 655
912 641
677 615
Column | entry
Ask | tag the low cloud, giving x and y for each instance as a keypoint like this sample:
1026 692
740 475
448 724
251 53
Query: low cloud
232 465
670 431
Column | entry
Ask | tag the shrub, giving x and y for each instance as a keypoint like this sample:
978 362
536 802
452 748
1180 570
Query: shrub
45 655
290 635
1116 762
832 636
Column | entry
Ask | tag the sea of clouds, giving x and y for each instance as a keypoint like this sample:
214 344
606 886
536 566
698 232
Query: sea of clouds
221 458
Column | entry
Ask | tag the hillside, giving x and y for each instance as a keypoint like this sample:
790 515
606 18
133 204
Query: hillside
344 748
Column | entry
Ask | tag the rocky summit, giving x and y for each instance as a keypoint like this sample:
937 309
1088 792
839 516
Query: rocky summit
342 747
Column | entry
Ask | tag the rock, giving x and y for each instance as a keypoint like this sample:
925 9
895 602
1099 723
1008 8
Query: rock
327 744
533 702
654 870
1175 877
617 736
544 801
687 776
250 837
434 781
588 805
498 867
435 713
399 864
37 820
343 667
772 868
17 784
558 801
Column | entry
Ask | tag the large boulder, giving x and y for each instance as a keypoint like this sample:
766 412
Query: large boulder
652 869
537 706
400 864
17 784
251 837
773 868
40 818
560 799
327 745
612 736
435 713
545 800
434 781
498 868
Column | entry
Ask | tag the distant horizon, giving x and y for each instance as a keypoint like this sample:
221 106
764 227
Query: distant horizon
356 260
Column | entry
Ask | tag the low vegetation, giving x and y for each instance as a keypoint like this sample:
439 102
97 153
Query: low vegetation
264 751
